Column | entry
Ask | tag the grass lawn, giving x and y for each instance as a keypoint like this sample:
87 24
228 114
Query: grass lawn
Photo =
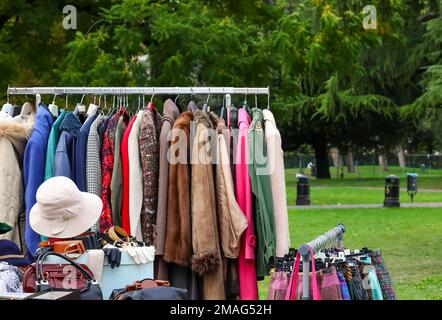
410 240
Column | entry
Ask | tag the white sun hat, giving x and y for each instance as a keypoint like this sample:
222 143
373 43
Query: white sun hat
63 211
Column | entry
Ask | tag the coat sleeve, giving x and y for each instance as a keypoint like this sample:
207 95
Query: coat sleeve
34 162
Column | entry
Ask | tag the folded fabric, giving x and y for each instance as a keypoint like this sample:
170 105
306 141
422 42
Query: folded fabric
96 263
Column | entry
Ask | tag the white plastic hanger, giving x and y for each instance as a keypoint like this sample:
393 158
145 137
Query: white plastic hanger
53 108
37 100
7 107
80 107
92 110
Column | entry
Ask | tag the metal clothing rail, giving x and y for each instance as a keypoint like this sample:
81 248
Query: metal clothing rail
136 90
332 238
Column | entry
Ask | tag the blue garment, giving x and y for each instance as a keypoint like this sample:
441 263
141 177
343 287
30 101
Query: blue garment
34 168
80 154
54 136
65 154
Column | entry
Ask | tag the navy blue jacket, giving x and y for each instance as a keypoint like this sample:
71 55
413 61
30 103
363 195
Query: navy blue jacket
65 153
80 154
34 168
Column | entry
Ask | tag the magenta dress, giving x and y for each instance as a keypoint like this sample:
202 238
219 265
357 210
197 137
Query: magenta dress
246 260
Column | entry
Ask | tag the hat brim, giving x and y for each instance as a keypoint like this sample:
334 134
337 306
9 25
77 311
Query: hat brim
85 219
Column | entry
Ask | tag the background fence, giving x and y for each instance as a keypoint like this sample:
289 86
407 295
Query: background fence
367 165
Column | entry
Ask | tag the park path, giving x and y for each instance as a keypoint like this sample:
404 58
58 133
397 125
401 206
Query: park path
362 206
373 188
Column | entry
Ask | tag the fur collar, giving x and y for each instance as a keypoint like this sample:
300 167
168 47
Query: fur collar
183 121
19 127
71 124
203 117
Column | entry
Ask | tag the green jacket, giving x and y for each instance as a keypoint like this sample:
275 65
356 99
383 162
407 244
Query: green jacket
54 136
262 190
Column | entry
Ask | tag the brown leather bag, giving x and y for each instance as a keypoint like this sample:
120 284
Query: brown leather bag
139 285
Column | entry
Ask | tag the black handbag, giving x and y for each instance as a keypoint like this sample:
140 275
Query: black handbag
91 291
159 293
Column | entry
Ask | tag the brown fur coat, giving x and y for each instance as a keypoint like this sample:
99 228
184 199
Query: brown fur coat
206 259
178 245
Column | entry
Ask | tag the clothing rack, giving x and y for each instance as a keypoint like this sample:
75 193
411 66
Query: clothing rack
136 90
332 238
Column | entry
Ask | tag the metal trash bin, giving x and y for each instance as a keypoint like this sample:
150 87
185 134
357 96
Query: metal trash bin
412 185
392 191
302 191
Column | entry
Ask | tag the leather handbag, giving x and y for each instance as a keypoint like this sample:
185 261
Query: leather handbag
158 293
118 294
40 277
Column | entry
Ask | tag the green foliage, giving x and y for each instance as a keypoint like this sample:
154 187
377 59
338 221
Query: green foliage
332 82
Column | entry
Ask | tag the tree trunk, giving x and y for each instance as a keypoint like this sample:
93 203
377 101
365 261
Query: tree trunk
321 156
335 156
349 161
383 161
401 158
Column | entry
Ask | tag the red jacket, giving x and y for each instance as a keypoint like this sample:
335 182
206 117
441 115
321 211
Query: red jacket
125 216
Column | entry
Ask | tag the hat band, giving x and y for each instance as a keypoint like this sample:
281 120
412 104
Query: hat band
12 256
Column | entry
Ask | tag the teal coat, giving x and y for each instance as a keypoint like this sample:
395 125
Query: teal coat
52 146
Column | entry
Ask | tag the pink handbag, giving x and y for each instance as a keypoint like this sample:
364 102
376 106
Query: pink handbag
293 282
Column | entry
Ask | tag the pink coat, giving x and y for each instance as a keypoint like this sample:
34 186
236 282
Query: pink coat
247 272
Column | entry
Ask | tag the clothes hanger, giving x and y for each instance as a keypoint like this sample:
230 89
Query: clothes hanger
245 105
268 100
93 108
53 108
206 107
16 109
256 100
223 108
7 107
151 105
192 106
80 108
66 103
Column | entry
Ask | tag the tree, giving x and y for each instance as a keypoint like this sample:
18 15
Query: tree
32 39
321 58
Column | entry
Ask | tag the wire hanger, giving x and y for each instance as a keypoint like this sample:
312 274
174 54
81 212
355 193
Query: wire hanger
223 107
245 105
268 100
206 107
151 105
